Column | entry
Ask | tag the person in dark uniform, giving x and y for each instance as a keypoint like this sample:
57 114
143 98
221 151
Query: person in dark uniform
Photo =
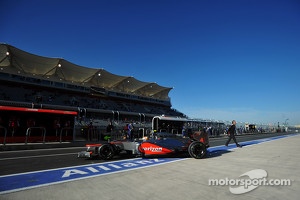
231 134
109 127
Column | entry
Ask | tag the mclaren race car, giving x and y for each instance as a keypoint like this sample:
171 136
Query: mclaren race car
160 144
167 144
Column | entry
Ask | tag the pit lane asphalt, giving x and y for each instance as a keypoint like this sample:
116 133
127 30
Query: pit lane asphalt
188 178
20 161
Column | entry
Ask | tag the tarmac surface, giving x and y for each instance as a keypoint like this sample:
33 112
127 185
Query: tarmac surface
189 178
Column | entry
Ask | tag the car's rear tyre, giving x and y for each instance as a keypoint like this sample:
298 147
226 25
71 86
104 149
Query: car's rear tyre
197 150
106 151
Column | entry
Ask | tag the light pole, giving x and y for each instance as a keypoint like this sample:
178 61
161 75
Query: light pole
286 125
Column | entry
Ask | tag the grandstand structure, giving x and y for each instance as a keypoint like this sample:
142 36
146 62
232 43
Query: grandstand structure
32 84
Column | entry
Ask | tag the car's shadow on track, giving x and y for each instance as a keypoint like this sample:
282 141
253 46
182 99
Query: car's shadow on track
216 153
211 153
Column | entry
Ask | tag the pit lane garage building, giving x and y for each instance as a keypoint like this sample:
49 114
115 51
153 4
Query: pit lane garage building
35 89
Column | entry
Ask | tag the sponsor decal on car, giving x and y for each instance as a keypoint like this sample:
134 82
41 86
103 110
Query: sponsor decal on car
153 149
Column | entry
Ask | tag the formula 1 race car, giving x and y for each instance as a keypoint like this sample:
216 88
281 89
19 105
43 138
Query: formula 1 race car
166 144
160 144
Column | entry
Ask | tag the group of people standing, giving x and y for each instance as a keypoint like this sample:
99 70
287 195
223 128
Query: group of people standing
128 130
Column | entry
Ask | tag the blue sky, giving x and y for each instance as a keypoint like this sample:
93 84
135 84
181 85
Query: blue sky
226 59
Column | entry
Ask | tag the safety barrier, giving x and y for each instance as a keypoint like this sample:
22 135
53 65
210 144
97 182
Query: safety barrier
28 131
61 132
141 131
116 135
5 133
100 133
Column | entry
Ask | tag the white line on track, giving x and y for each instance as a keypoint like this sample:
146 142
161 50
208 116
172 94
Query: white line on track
26 157
48 149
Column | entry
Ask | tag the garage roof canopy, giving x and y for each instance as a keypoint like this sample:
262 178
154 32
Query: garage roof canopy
16 61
